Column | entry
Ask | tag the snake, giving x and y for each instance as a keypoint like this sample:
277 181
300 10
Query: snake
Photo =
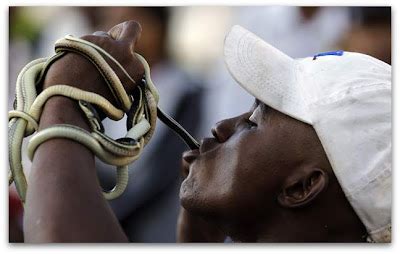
141 109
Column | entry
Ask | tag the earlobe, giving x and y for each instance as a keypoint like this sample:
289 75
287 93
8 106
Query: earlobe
302 189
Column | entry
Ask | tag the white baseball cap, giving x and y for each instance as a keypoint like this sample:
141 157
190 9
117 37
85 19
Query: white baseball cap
346 97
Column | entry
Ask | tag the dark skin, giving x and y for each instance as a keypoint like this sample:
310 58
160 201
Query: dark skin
263 178
64 202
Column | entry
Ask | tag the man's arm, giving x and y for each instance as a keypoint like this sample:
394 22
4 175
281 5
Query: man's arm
64 201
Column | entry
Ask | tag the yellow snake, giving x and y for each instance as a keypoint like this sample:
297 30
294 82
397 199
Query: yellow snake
141 111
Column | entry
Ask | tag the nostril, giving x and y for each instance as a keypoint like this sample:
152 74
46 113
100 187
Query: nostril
224 129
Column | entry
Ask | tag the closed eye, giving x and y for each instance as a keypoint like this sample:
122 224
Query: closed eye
250 121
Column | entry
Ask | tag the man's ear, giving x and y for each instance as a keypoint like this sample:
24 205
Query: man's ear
302 188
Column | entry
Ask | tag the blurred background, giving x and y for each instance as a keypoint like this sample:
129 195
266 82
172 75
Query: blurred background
184 47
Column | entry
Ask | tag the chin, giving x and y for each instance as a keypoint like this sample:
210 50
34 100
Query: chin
186 192
190 197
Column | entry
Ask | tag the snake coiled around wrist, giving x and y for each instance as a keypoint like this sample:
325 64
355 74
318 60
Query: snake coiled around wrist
142 113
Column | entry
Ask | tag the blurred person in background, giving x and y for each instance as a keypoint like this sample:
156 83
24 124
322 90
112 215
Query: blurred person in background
149 207
370 32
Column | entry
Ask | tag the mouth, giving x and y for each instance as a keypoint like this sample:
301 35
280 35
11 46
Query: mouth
207 144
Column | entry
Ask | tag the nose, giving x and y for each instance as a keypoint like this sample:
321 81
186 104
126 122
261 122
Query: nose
224 129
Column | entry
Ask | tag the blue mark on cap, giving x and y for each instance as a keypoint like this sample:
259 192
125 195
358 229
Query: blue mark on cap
330 53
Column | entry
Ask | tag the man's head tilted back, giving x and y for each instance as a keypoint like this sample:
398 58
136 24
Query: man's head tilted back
311 160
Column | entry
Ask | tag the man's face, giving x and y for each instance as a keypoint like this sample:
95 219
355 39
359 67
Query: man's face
241 170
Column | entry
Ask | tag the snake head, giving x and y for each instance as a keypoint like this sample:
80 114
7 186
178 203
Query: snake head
92 115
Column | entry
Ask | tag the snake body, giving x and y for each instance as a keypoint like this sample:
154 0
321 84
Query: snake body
142 114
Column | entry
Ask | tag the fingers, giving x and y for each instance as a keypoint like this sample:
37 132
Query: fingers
126 31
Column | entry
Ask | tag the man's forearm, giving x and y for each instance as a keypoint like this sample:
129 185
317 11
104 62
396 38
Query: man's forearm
64 201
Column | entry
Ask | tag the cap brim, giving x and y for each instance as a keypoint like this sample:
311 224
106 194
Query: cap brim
265 72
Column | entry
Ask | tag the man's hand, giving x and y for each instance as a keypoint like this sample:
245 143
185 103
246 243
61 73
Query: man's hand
75 70
192 228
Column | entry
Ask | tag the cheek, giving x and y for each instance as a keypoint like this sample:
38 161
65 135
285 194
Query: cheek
254 173
238 176
208 186
193 188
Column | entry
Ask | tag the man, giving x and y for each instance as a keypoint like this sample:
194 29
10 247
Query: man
309 162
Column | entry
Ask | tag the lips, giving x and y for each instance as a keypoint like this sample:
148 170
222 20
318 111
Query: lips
207 144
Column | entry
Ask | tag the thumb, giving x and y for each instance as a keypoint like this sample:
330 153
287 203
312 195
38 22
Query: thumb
127 31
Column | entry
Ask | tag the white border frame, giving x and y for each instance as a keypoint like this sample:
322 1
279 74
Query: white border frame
193 248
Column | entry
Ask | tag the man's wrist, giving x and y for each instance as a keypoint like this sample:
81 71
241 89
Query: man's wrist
62 110
72 70
77 71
